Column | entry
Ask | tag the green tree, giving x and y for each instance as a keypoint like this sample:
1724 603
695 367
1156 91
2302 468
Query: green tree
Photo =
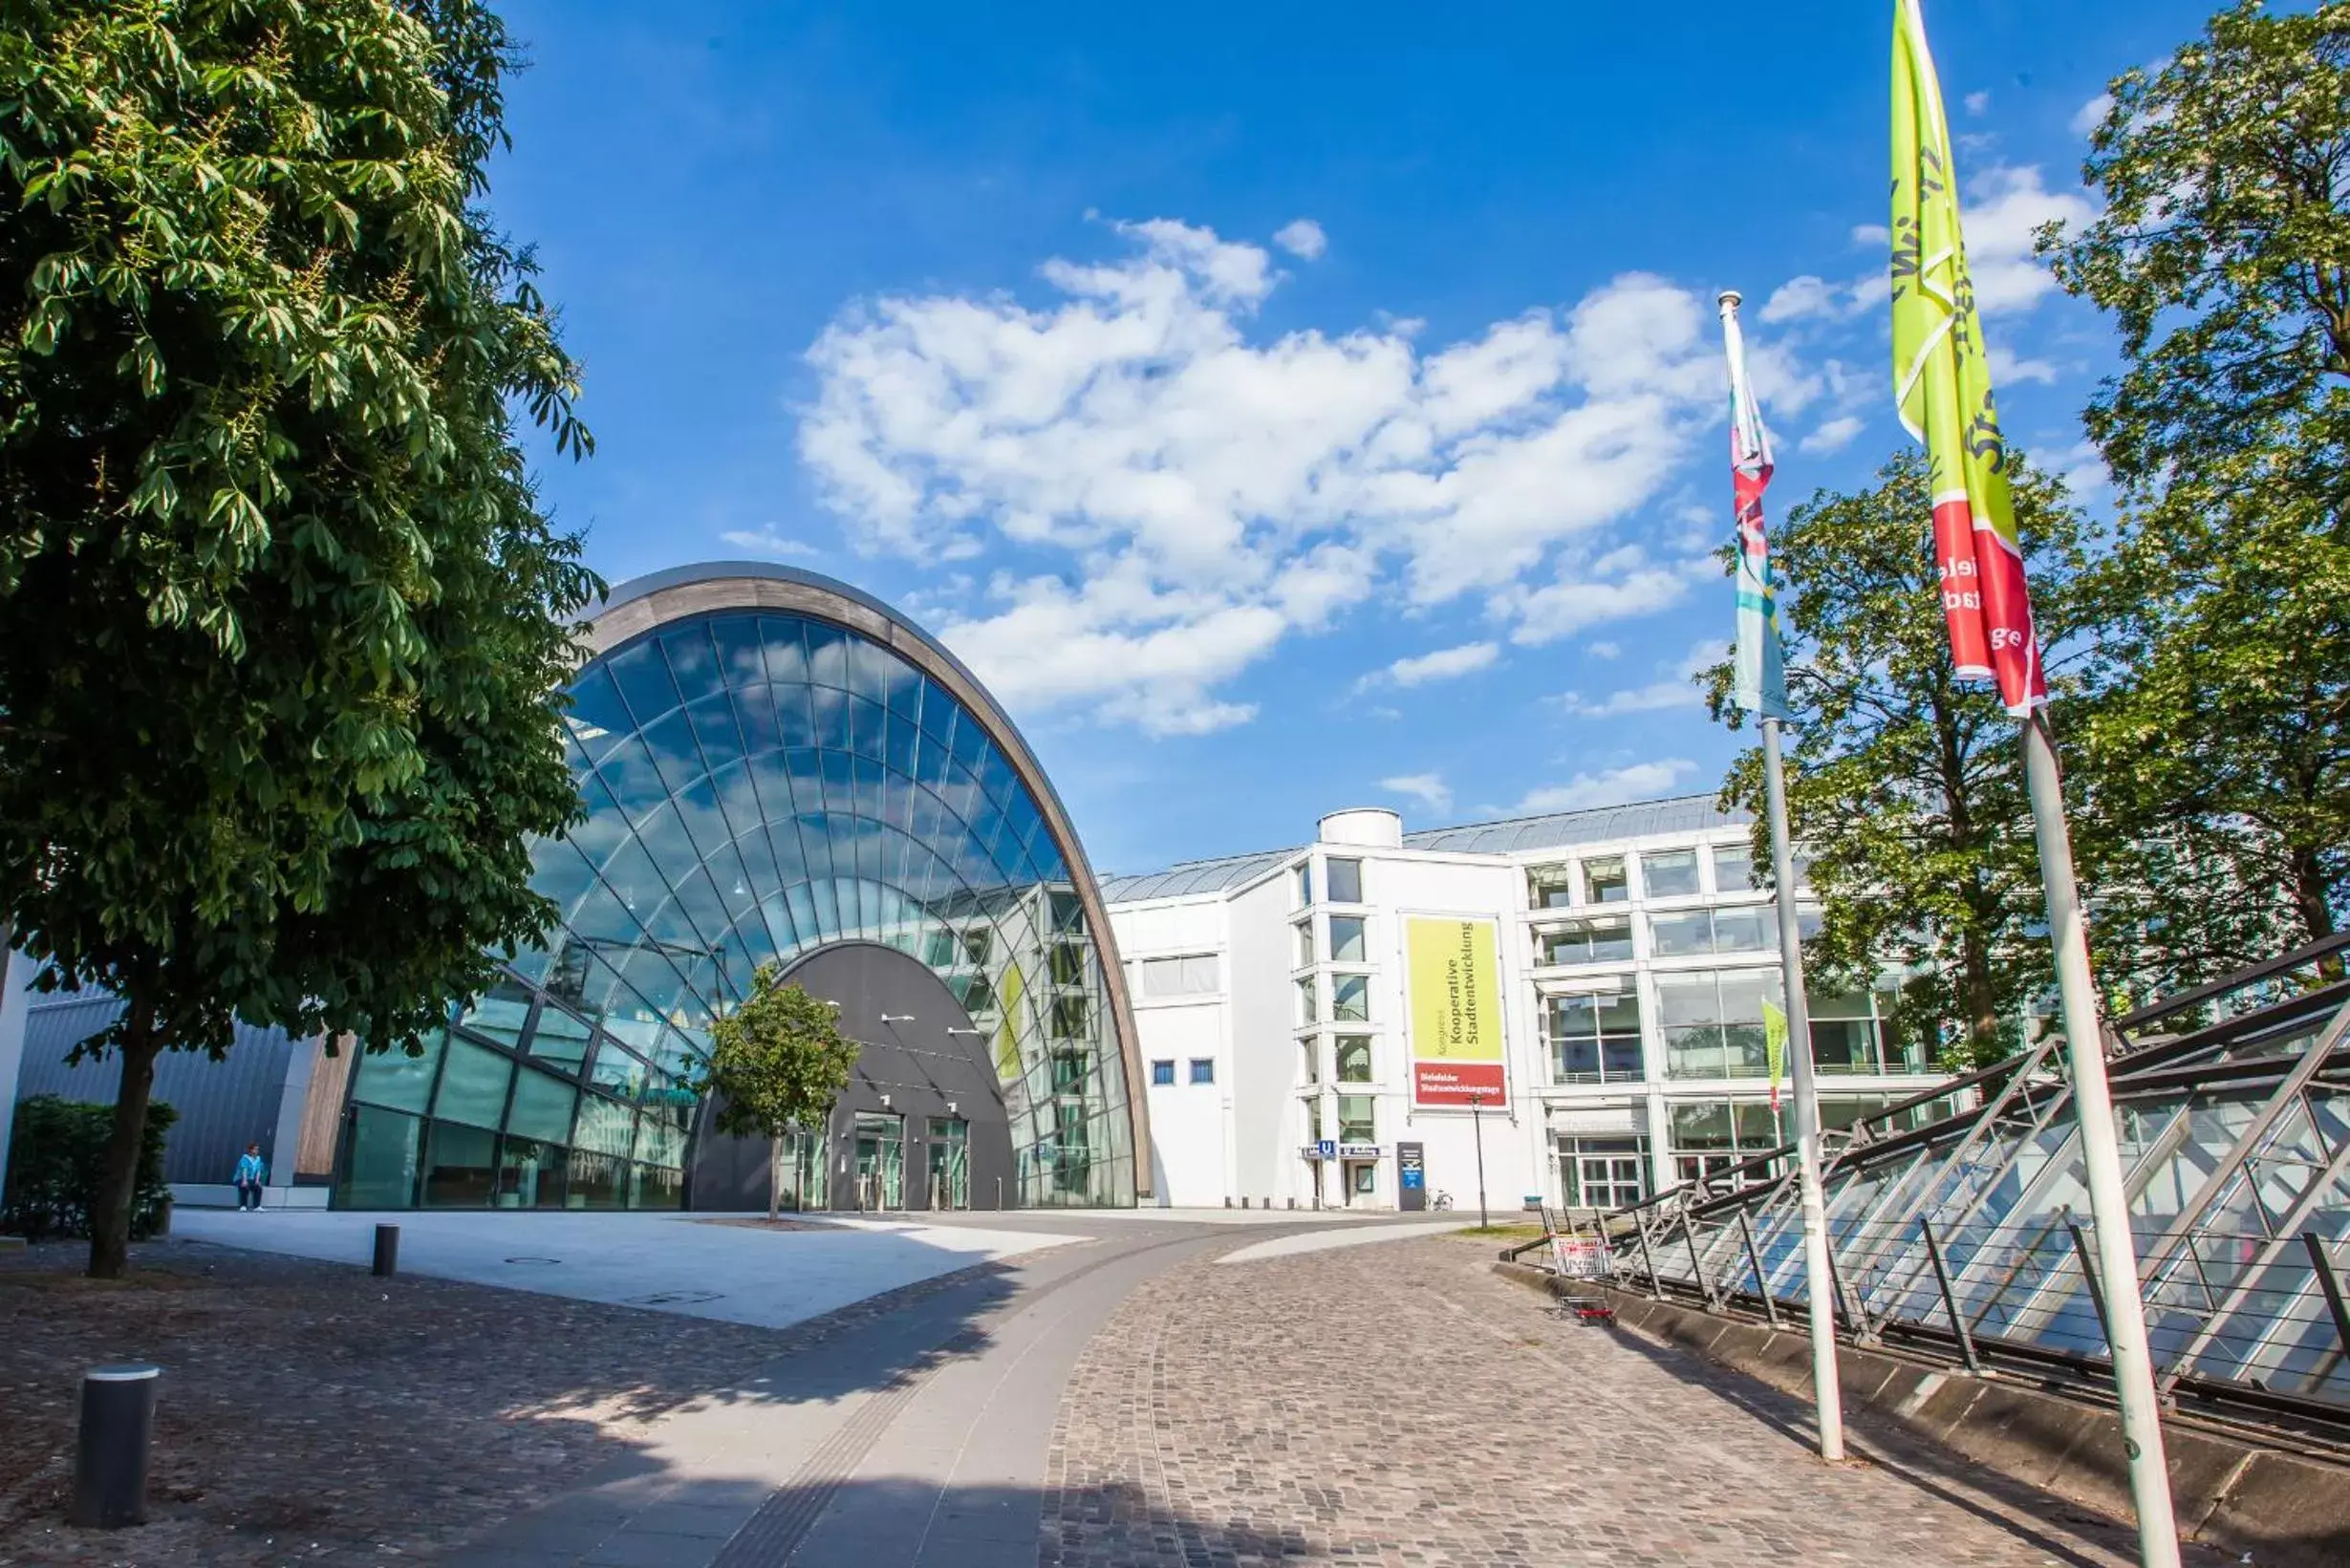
1906 784
280 616
777 1064
2223 252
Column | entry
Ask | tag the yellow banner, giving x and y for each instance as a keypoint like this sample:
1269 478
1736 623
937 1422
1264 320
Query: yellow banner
1454 971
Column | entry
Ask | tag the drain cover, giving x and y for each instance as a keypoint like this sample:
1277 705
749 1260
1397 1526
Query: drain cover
534 1259
674 1298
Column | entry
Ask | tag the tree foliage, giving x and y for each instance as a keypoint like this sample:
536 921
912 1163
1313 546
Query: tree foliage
777 1062
280 615
1904 785
2223 253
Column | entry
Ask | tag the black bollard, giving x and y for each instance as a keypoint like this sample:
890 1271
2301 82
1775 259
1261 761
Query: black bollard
110 1460
387 1251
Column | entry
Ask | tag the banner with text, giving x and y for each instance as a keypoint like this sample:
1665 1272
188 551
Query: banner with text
1453 967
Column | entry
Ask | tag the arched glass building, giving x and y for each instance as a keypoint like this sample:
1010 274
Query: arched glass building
776 767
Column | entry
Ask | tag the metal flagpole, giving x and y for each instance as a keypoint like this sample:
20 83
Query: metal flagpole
1758 663
2117 1253
1828 1390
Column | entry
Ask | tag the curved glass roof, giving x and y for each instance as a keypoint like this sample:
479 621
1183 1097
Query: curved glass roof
1552 830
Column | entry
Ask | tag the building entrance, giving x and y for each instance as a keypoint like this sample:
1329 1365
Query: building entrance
880 1161
1359 1185
950 1163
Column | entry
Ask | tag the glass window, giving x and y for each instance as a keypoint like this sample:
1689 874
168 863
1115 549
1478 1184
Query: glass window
1595 1039
398 1081
1305 1001
1162 1073
1068 964
381 1164
1588 942
1305 943
1714 1023
1602 1172
1678 935
500 1015
1348 945
1309 1051
1203 1069
1350 998
1669 874
461 1166
473 1086
1313 1120
542 1107
1748 929
1603 881
1846 1036
1354 1059
560 1038
1193 975
1073 1018
1302 879
1356 1121
1710 1136
1345 885
1734 868
1549 887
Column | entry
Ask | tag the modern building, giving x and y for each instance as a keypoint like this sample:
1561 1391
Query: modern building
1574 1002
776 768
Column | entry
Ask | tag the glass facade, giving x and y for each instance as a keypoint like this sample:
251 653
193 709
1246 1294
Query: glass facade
758 784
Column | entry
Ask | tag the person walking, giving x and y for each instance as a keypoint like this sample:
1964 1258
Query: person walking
251 1173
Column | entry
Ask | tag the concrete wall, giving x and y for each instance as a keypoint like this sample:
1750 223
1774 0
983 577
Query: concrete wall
1265 1118
1188 1121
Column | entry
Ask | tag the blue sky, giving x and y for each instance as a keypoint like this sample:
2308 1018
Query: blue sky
1283 406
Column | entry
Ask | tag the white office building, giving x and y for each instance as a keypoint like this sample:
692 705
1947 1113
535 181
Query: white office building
1288 1060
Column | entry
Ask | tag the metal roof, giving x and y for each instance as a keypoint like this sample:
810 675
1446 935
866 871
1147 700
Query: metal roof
1552 830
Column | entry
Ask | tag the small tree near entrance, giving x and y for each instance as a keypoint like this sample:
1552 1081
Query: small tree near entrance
777 1062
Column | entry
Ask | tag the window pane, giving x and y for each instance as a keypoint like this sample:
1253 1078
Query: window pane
1734 868
1199 974
1347 941
1203 1069
1687 999
1305 944
1353 1059
1350 997
459 1166
1304 881
397 1080
1346 881
1603 881
1162 1073
1305 1001
1678 935
500 1015
1744 930
473 1087
1548 887
542 1107
1669 875
1356 1122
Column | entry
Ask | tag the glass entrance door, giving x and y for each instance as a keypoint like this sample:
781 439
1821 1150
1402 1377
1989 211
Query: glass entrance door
950 1169
881 1160
802 1176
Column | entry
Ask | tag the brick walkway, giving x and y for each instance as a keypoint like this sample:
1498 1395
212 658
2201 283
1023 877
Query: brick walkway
1399 1404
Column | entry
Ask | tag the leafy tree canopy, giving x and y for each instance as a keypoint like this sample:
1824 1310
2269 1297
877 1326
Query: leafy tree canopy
2223 252
777 1062
1904 785
280 616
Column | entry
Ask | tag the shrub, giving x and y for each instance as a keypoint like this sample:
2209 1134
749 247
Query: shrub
57 1164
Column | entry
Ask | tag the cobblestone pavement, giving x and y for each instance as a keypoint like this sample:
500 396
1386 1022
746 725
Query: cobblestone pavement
311 1413
1400 1405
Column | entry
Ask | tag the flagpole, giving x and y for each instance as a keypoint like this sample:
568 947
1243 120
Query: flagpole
2117 1253
1827 1391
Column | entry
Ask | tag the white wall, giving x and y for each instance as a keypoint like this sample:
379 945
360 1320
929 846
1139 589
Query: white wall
1190 1123
1264 1113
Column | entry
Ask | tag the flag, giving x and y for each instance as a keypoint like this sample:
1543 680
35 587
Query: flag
1942 384
1775 1046
1759 683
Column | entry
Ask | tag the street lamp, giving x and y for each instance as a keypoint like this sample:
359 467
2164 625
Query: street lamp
1477 1120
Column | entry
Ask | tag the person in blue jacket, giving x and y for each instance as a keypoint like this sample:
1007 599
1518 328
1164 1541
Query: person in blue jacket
251 1173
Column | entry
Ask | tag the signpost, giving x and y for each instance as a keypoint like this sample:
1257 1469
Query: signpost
1411 1177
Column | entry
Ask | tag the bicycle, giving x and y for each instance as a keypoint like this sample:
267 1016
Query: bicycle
1441 1202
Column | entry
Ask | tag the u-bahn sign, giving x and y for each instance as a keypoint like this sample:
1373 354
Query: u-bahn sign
1453 967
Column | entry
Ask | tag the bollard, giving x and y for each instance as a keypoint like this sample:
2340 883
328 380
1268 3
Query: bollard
387 1251
110 1459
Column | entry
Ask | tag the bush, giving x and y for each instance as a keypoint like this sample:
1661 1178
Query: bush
57 1160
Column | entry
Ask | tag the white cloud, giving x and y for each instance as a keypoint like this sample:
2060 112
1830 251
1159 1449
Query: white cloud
2009 205
1872 234
2006 370
1182 493
1801 299
1428 789
2083 468
767 540
1832 437
1978 103
1603 650
1676 688
1303 239
1443 664
2092 113
1637 780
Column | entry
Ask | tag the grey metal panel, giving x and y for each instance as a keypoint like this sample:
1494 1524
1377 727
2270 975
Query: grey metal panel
221 1105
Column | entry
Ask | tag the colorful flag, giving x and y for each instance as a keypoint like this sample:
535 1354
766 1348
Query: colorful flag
1759 683
1942 384
1775 1046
